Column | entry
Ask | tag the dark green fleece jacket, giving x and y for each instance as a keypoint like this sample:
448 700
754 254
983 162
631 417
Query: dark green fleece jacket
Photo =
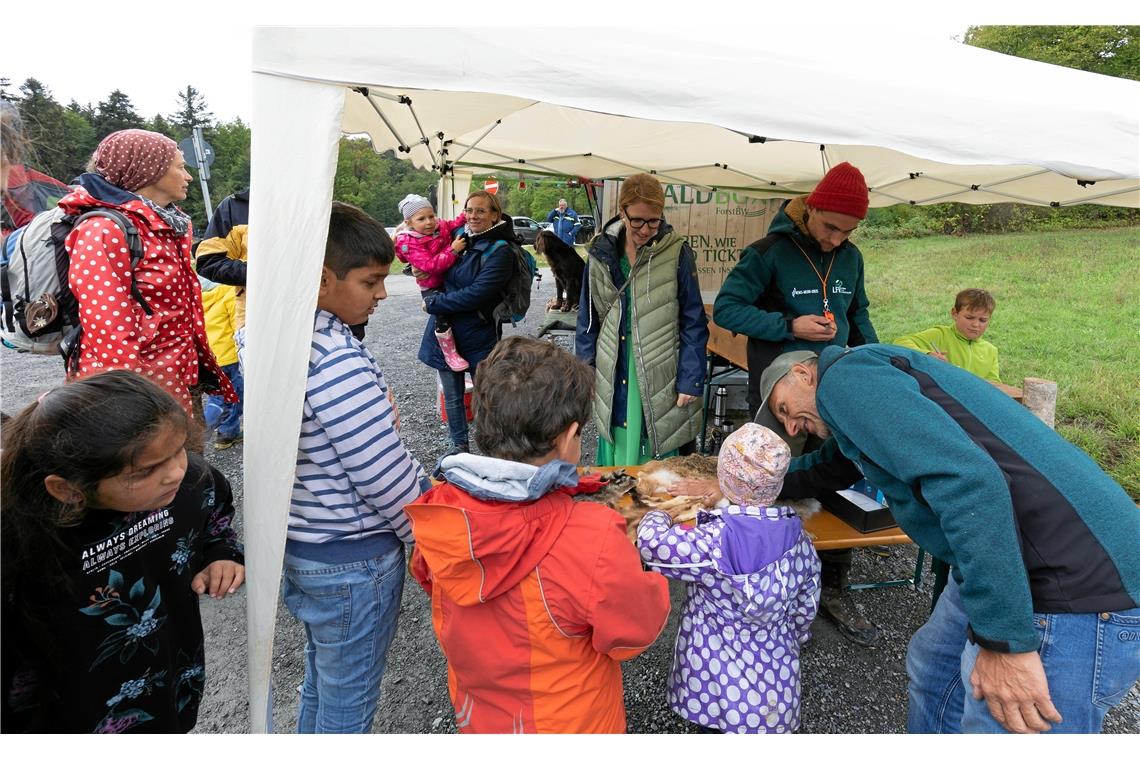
774 283
1028 521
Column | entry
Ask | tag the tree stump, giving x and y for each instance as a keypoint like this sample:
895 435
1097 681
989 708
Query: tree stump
1040 397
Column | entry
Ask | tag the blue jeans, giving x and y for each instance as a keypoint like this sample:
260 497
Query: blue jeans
453 388
224 416
1091 661
349 612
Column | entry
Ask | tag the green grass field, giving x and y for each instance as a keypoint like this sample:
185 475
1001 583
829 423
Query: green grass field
1068 310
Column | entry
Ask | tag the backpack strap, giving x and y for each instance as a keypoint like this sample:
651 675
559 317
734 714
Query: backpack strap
488 316
6 295
69 344
134 245
6 286
495 245
24 258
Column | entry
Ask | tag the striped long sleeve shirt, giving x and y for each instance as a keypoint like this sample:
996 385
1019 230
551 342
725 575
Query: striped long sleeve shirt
354 475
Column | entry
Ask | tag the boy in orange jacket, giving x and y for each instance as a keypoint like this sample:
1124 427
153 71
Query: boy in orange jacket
536 599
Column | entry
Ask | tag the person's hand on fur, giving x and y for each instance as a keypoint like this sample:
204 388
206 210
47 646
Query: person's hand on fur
708 491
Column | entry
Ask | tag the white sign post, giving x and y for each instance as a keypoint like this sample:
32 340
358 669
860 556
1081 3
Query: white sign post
199 155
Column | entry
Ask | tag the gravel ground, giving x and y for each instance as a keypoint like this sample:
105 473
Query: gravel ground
846 688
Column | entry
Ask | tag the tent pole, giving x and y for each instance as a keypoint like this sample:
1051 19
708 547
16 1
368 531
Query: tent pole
654 172
477 141
526 162
425 140
989 188
560 158
765 180
1102 195
403 147
965 190
895 198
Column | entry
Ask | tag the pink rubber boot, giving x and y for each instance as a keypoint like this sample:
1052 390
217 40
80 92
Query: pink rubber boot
447 344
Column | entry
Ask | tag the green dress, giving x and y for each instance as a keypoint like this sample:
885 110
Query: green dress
628 448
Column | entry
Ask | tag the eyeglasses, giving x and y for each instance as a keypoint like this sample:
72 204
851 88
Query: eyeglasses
637 223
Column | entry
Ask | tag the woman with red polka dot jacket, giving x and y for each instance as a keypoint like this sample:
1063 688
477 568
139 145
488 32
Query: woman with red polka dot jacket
141 174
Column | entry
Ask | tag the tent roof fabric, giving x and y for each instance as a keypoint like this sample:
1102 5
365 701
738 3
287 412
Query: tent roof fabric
925 122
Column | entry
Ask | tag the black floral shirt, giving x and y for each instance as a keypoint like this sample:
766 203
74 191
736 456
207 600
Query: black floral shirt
124 646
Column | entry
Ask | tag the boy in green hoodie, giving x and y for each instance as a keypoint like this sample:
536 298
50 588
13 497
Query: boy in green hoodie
962 344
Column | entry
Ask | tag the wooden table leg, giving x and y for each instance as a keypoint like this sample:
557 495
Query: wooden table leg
941 572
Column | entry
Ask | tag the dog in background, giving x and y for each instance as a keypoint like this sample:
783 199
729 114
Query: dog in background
567 266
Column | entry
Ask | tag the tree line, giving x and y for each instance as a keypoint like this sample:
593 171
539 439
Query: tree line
63 137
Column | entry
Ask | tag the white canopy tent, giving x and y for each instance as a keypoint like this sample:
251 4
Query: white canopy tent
925 122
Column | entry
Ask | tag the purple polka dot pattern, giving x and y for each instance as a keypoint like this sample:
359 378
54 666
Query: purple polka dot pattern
134 158
736 664
167 346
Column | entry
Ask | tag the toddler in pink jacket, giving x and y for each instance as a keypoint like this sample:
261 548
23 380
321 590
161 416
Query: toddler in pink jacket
424 242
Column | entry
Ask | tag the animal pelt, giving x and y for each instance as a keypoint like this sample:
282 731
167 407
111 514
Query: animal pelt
804 508
650 491
656 476
617 484
567 266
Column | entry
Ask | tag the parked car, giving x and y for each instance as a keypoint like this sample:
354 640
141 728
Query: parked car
527 229
587 230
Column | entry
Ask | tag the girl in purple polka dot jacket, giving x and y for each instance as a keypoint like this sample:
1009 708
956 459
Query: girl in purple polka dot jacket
753 591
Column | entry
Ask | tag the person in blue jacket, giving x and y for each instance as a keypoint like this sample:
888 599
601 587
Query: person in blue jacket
473 286
1039 627
564 222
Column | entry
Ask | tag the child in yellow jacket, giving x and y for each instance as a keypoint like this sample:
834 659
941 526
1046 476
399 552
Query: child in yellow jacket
219 302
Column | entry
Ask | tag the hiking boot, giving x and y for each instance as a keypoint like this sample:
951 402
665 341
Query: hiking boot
225 442
450 355
840 610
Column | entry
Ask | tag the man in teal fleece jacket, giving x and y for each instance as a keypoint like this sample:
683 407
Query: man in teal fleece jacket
1041 617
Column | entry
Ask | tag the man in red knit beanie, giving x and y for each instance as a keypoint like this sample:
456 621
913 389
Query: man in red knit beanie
801 288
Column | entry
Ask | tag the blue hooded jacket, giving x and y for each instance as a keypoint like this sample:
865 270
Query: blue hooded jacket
472 287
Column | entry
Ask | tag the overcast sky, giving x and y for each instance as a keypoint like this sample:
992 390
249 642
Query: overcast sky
101 46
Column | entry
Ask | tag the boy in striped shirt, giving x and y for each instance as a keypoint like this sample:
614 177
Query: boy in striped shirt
344 556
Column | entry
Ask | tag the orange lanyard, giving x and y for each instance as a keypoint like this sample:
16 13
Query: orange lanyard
822 277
